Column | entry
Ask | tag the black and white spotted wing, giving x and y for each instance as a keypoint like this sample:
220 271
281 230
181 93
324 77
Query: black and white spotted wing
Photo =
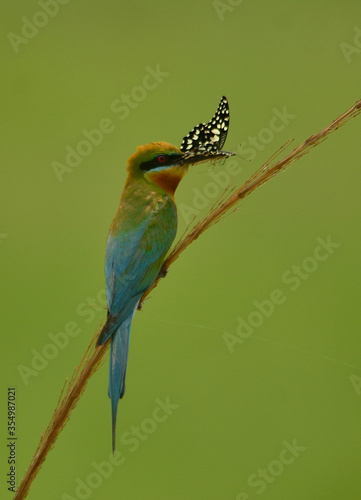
209 137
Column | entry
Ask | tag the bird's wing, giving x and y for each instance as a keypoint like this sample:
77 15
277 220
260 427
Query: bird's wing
120 251
133 261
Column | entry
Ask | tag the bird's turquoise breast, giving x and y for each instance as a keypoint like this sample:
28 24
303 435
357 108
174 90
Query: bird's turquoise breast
162 227
139 239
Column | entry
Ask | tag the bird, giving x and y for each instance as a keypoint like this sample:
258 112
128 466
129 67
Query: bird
143 231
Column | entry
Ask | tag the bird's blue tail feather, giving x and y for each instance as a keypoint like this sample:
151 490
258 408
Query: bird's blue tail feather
118 368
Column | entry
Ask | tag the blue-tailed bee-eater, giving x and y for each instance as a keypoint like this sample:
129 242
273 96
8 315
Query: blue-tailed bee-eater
143 230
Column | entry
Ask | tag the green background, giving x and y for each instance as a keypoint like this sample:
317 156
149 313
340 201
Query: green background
298 375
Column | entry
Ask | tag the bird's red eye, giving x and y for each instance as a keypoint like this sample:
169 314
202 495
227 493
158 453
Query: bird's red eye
162 158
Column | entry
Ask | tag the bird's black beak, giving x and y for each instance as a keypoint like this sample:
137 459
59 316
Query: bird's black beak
193 157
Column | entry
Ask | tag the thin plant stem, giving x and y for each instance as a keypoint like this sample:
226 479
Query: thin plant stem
92 359
69 396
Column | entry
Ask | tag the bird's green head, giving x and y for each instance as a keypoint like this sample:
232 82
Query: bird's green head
162 164
159 163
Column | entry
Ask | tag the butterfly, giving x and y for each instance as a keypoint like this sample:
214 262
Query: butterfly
209 137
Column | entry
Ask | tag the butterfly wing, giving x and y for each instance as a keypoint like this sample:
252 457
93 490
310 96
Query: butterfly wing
209 137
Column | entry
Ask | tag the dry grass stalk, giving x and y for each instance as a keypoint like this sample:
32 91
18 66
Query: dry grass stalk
91 362
262 175
69 396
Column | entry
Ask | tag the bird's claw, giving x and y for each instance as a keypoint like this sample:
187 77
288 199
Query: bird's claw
163 272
